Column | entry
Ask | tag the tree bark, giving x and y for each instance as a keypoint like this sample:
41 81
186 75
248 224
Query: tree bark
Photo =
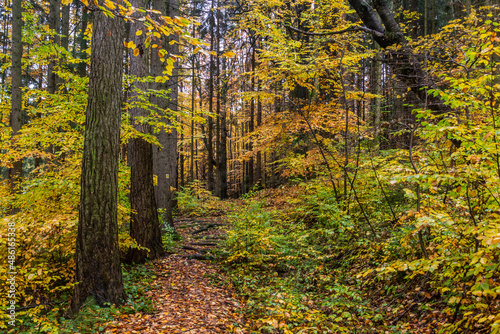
165 159
251 122
258 160
54 26
98 271
82 41
144 223
222 154
17 97
210 125
193 92
377 89
65 27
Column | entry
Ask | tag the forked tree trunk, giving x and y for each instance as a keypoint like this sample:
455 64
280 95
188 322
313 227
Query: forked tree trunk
144 224
98 270
405 63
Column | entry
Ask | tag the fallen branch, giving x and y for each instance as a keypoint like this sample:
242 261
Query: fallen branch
206 228
195 249
199 257
209 237
203 243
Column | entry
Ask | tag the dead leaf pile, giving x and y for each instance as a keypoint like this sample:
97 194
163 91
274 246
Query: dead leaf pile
190 296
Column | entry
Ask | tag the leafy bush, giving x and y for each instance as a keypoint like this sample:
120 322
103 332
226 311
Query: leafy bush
285 263
195 200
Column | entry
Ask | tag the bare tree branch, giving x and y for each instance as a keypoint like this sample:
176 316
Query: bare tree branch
351 29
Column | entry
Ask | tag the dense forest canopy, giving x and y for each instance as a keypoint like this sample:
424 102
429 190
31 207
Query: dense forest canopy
352 147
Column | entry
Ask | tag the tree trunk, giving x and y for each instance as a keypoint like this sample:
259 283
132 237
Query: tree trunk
17 97
144 224
210 153
82 41
193 92
165 159
54 26
258 162
98 271
251 122
405 63
377 89
222 154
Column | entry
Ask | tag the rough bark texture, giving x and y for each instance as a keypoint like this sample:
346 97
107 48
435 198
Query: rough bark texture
98 271
65 27
54 25
144 224
165 160
17 97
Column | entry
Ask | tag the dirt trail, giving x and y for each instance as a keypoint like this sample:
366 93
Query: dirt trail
190 295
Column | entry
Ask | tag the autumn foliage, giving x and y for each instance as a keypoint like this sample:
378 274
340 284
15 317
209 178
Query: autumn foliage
365 178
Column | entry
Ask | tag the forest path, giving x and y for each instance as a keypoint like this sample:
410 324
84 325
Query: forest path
190 295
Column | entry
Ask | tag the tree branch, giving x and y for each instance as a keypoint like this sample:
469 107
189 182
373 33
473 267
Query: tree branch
351 29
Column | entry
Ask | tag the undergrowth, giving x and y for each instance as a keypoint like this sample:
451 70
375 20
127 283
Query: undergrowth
305 265
50 318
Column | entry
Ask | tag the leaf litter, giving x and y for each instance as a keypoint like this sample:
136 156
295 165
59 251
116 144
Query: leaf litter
189 295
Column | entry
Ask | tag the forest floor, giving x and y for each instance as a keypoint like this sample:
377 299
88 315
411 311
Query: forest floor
190 294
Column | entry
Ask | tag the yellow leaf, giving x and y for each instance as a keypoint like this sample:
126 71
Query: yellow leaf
229 54
157 34
66 2
109 4
138 33
85 2
136 52
131 45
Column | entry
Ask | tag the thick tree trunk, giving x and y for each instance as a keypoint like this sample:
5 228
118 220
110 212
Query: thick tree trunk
165 159
17 97
54 26
65 27
144 223
98 271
